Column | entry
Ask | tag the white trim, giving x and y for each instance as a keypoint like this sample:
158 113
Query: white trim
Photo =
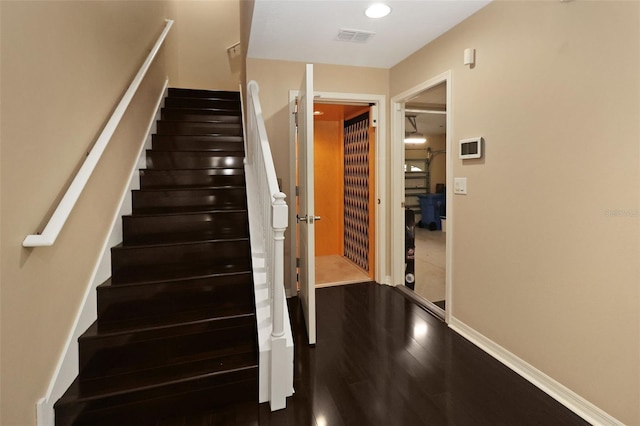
292 289
67 367
381 172
262 300
551 387
397 184
63 210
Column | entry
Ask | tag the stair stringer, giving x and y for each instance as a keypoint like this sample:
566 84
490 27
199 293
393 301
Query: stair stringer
263 305
67 368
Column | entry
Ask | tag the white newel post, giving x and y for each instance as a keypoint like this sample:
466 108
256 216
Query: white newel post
279 361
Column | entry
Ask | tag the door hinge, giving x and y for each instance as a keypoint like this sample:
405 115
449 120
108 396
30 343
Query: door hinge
402 205
297 262
297 190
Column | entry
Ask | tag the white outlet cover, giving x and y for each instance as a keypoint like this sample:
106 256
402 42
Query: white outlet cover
460 185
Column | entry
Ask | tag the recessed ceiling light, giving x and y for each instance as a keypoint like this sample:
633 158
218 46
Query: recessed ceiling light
377 10
414 138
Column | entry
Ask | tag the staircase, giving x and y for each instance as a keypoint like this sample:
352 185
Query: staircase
176 327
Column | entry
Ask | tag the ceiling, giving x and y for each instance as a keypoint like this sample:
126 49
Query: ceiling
307 30
433 99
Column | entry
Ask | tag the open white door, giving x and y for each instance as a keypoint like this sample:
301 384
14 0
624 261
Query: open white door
306 210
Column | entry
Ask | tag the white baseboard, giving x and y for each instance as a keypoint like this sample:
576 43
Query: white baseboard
553 388
67 368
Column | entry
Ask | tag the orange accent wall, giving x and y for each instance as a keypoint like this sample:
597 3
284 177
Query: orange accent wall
329 181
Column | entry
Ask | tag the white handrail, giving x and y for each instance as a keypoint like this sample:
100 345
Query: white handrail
274 218
62 212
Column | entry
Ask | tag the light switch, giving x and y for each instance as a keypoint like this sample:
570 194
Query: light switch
460 185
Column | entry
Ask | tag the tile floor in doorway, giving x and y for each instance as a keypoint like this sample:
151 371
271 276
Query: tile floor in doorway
336 270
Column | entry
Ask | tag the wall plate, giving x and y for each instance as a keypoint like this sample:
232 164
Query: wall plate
470 148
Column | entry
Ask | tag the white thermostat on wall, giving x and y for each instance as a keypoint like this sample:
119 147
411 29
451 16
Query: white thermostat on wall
470 148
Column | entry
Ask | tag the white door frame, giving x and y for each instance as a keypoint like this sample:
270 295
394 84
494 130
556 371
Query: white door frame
397 184
381 173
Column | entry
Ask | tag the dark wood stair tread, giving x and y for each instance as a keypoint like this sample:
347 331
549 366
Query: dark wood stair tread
187 92
180 209
183 237
211 120
144 405
201 152
207 313
211 138
162 376
109 283
232 111
125 306
190 188
212 147
211 211
194 116
175 272
163 327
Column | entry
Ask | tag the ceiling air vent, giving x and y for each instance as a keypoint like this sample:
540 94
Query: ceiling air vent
355 36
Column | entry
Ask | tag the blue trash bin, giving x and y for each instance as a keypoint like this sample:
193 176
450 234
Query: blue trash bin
432 206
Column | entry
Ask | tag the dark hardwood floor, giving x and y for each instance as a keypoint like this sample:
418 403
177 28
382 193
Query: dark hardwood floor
382 360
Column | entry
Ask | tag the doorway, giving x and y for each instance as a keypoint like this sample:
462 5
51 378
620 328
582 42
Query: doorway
376 105
344 193
422 147
425 190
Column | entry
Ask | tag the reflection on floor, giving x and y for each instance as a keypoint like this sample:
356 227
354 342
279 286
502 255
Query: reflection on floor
382 360
336 270
430 264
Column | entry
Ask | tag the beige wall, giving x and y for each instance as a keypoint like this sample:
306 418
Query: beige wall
277 78
197 50
64 67
246 16
546 243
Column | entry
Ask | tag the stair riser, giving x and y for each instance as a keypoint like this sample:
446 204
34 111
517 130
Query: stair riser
199 199
141 408
195 128
129 352
215 225
172 145
181 255
198 138
150 179
192 160
194 114
176 92
117 304
202 103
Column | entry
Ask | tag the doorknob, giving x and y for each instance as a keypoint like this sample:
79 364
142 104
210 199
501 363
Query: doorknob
308 219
